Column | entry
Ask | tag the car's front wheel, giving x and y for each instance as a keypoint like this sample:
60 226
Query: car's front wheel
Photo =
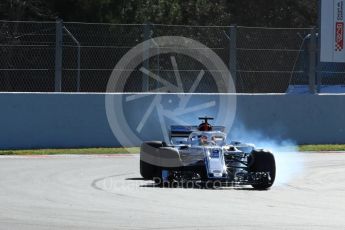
261 161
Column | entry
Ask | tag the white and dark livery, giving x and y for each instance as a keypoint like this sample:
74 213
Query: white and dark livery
200 154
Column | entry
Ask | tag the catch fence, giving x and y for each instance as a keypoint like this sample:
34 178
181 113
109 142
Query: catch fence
81 57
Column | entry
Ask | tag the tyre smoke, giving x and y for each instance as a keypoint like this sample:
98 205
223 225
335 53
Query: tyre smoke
289 162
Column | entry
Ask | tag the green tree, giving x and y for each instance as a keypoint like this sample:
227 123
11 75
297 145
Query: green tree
24 10
88 10
277 13
274 13
192 12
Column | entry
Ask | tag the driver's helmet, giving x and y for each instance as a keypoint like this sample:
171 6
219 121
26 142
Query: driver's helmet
203 140
205 127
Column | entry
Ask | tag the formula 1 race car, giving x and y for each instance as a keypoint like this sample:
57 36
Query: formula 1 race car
201 156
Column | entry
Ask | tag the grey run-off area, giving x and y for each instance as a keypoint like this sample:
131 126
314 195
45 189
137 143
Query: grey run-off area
105 192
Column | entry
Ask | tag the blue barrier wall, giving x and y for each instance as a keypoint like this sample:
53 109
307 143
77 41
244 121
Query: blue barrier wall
303 119
41 120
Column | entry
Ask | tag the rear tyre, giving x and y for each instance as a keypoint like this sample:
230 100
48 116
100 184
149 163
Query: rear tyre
147 170
262 161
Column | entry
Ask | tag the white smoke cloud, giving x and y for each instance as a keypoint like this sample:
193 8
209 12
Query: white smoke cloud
289 162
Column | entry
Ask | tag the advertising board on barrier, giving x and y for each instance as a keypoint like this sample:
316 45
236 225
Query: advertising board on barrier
332 31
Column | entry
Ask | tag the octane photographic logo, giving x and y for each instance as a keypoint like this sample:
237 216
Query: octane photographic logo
138 117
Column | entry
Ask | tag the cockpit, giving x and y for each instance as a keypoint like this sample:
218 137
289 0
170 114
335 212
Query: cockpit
207 138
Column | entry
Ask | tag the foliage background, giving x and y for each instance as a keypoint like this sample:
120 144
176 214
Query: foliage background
271 13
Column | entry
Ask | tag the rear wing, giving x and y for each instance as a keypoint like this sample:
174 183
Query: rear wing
218 128
183 131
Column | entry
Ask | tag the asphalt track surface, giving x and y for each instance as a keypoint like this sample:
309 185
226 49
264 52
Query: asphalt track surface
106 192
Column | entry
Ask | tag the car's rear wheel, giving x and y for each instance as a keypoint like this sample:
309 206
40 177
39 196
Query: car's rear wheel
148 171
262 161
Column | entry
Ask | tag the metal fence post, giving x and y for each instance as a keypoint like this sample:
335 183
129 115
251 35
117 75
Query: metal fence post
318 65
146 63
158 59
78 56
157 65
233 54
312 61
78 67
58 54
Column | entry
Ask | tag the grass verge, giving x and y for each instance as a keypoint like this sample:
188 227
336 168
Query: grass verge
70 151
320 148
302 148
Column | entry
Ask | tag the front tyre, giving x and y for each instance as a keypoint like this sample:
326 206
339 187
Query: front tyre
261 161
